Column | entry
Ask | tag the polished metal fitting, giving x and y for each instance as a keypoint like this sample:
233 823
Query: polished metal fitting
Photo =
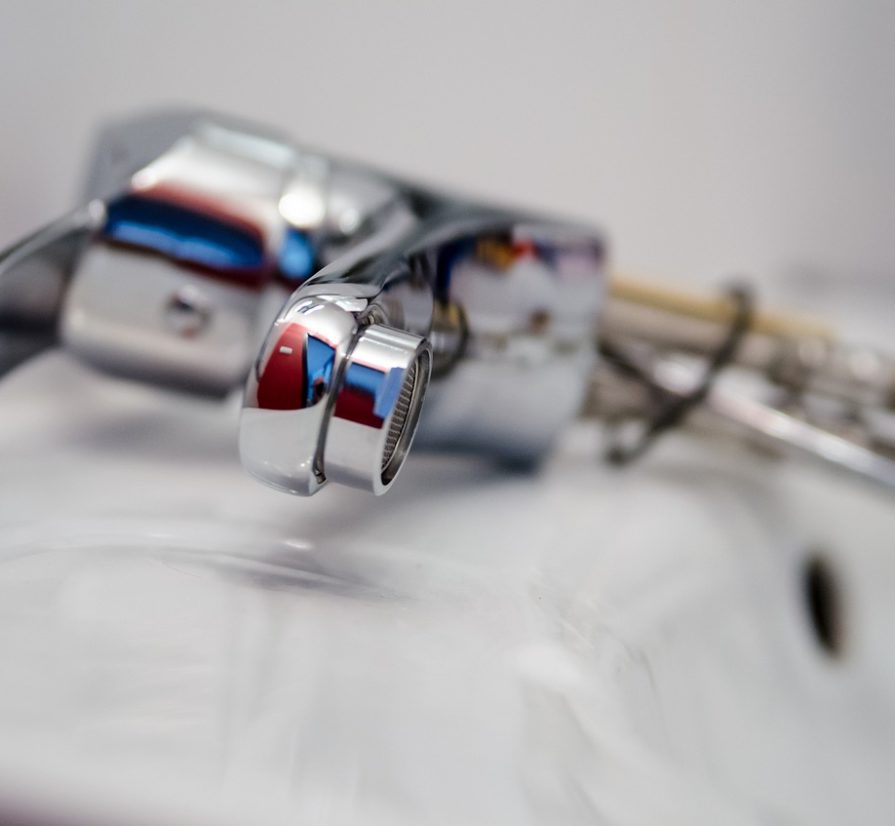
197 228
333 396
376 409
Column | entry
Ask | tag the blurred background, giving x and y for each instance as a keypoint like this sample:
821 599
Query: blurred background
708 138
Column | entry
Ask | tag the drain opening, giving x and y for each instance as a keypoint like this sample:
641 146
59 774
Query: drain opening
823 602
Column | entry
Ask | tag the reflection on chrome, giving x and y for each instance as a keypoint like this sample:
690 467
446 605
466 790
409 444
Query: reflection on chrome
208 251
499 309
209 246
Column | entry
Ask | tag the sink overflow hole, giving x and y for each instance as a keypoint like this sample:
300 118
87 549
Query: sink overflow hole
823 601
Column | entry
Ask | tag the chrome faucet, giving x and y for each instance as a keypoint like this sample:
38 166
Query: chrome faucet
210 253
208 250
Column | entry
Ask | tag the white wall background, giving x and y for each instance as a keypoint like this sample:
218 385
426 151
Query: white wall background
707 137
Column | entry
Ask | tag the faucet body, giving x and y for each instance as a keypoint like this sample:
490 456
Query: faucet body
210 253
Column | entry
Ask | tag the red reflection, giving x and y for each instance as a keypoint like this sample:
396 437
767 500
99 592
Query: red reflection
356 405
281 385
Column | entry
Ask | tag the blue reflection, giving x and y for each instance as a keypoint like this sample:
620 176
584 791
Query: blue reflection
360 377
182 234
389 391
384 388
319 360
448 257
296 257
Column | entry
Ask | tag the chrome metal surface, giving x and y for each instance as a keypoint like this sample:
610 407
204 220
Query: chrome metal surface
208 245
801 363
201 226
324 396
34 276
525 296
377 408
807 393
35 271
732 412
781 429
402 427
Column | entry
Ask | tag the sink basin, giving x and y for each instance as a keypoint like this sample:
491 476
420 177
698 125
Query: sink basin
701 638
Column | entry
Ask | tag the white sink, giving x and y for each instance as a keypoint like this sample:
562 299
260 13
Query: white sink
182 645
